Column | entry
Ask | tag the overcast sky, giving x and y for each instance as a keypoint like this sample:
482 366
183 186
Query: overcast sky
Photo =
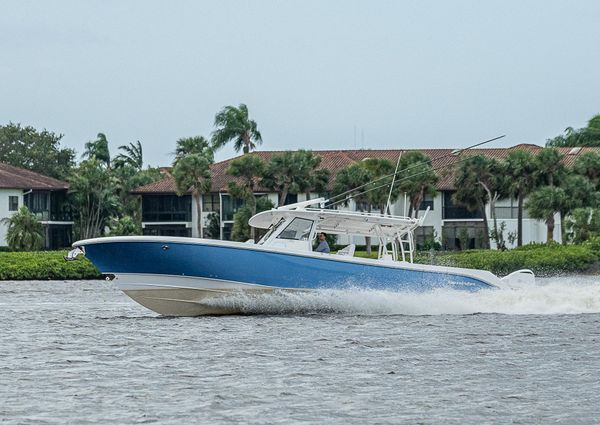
314 74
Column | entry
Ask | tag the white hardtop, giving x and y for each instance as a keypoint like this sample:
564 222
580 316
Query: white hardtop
338 222
295 226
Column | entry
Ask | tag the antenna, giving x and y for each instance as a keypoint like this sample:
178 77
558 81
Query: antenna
453 153
389 205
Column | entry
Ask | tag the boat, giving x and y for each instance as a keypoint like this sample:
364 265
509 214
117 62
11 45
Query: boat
179 276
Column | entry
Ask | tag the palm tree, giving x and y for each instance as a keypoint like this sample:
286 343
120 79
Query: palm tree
132 155
480 180
548 199
25 232
249 169
544 203
586 136
580 193
416 178
191 171
98 149
470 193
588 165
377 168
522 172
234 124
351 177
194 145
295 172
549 169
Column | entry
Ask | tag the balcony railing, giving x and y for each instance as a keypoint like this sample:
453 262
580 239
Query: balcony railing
459 213
52 216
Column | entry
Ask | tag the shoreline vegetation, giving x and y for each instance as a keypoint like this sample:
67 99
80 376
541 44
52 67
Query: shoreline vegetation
543 259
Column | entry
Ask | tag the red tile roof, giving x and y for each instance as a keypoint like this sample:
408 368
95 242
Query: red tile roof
18 178
334 160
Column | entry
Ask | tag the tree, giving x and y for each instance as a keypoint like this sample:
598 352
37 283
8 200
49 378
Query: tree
522 173
125 226
132 156
249 169
584 223
192 173
588 165
378 196
25 232
129 174
98 150
191 170
295 172
349 178
194 145
480 180
127 178
548 199
241 230
586 136
38 151
544 203
312 178
549 169
234 124
94 199
580 193
213 229
416 178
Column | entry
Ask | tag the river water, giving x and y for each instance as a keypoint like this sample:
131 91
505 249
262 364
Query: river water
82 352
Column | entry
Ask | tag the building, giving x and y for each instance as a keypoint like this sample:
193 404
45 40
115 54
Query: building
44 196
164 213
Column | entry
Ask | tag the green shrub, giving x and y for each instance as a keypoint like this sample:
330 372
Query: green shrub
45 265
542 259
593 244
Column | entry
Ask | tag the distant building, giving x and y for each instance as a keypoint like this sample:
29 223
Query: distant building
44 196
164 213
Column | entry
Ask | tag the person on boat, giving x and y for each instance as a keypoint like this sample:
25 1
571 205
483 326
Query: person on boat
323 245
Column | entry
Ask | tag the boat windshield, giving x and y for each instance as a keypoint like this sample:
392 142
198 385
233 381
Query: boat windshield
299 229
272 229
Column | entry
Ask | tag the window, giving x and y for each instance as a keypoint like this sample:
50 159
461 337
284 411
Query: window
211 203
298 229
271 231
166 208
230 207
13 203
426 202
457 212
37 201
291 198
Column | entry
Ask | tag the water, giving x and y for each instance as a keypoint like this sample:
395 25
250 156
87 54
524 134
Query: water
82 352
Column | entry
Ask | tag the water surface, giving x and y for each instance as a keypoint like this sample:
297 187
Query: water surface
82 352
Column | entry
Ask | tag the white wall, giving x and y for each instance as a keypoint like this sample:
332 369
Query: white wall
533 230
4 194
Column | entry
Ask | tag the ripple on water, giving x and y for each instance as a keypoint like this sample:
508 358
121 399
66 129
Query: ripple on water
77 352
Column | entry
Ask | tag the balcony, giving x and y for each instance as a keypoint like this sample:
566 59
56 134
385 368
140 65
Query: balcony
460 213
166 208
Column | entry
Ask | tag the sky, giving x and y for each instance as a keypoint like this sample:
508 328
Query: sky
314 74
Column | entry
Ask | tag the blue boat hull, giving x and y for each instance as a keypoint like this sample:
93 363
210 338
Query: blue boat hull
246 265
